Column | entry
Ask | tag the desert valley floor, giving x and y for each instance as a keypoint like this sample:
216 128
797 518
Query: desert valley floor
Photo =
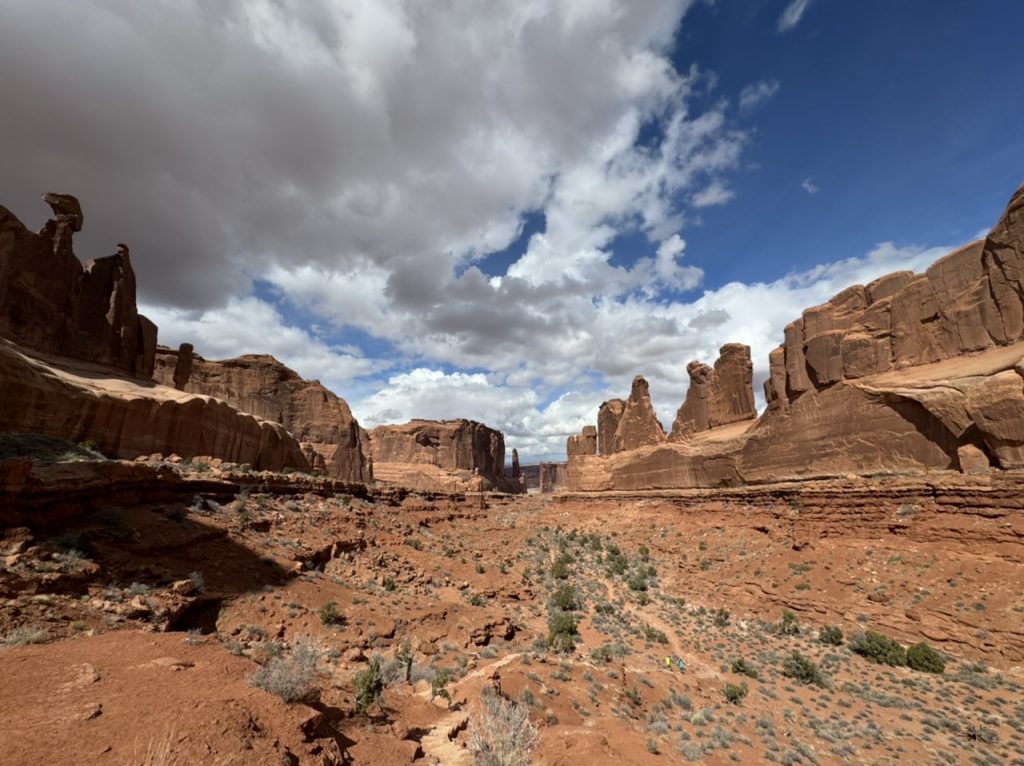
171 622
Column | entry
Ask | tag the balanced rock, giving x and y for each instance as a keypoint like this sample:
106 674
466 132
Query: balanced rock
717 396
638 426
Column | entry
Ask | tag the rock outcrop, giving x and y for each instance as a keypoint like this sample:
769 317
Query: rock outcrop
126 417
50 303
552 476
258 384
638 426
910 373
717 396
608 416
446 455
584 443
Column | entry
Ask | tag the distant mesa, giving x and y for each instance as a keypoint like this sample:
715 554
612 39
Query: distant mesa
912 372
442 455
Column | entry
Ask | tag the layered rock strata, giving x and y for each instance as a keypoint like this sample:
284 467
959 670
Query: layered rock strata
258 384
910 373
50 303
447 455
126 417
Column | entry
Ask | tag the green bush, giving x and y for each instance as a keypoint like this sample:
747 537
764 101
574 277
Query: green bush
801 669
734 693
923 658
831 634
439 683
788 624
655 635
743 667
329 614
560 569
368 684
562 632
565 598
877 648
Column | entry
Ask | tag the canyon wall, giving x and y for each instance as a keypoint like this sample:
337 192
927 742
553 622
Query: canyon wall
910 373
449 455
77 358
126 417
320 421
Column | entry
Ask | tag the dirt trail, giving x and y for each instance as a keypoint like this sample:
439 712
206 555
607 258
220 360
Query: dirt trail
694 664
440 742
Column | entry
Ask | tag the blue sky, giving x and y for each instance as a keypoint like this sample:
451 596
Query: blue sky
504 211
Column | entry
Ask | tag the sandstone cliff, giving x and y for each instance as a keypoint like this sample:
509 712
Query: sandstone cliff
50 303
126 417
913 372
260 385
450 455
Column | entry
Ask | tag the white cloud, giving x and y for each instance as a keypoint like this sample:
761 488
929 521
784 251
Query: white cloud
792 14
717 193
757 93
809 186
251 326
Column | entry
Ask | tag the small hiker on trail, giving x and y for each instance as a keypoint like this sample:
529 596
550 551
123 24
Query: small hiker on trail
668 663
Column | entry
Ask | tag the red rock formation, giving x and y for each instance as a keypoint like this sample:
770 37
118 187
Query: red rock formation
910 373
48 302
262 386
608 416
584 443
127 417
718 396
638 426
552 476
448 455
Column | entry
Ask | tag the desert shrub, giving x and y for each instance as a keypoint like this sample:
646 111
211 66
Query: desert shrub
369 684
720 618
638 580
292 676
329 614
560 569
734 693
565 598
877 648
562 632
831 634
389 584
616 561
743 667
925 659
788 624
25 635
801 669
655 635
439 684
501 733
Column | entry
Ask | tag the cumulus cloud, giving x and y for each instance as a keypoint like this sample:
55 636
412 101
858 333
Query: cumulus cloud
755 94
792 14
362 159
809 186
